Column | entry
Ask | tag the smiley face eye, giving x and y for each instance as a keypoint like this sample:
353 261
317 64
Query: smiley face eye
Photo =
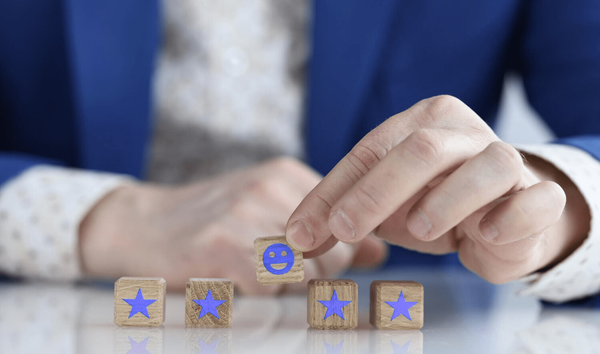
283 253
271 254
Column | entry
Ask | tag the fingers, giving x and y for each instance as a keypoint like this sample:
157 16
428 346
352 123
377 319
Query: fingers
307 227
482 179
527 213
521 238
407 169
524 257
311 223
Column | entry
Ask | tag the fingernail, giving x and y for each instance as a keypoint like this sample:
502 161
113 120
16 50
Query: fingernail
340 226
300 236
418 223
487 230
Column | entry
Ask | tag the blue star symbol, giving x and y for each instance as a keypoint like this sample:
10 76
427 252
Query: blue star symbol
208 348
209 305
400 349
334 350
401 307
138 348
139 304
334 306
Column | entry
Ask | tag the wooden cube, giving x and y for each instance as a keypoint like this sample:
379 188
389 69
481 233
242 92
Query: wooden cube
277 262
140 301
396 305
332 304
208 303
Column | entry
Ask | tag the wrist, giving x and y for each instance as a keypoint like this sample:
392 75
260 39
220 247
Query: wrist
105 233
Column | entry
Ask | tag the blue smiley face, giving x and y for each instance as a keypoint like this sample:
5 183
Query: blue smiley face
278 258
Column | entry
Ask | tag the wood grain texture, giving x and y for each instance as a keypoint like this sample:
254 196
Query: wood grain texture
152 289
322 289
263 276
197 289
380 314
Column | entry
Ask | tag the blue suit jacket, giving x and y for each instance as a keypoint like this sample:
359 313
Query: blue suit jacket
75 75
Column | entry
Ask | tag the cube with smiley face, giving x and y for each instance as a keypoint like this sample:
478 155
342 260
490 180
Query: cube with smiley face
277 262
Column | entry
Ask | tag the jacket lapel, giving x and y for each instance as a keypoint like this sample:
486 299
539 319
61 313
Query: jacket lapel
113 45
348 37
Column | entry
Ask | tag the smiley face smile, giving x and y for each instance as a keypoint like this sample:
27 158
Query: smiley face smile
278 266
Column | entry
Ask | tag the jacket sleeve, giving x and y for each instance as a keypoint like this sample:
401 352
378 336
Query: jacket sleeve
13 164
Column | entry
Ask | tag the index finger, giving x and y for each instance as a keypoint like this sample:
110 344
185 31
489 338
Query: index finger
307 227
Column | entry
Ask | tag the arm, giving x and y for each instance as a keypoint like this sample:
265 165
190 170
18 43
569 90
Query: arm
41 207
437 180
60 223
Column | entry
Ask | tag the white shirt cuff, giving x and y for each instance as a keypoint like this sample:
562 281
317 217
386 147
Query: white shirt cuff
40 213
578 275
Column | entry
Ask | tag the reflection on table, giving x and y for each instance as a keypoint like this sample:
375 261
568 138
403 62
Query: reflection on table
463 314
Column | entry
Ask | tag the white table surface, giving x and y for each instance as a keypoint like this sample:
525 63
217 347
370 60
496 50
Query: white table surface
463 314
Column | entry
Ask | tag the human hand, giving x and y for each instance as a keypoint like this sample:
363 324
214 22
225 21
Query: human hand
436 179
205 229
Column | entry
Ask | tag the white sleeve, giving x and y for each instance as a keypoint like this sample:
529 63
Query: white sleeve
40 213
578 275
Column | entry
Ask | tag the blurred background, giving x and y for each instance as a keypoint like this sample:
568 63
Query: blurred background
517 122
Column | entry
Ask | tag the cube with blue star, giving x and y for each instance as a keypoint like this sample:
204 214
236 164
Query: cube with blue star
396 305
332 304
208 303
140 301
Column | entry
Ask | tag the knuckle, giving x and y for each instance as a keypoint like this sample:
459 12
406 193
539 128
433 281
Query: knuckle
241 209
291 171
425 146
368 197
285 162
369 152
506 160
438 106
218 237
365 155
262 186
